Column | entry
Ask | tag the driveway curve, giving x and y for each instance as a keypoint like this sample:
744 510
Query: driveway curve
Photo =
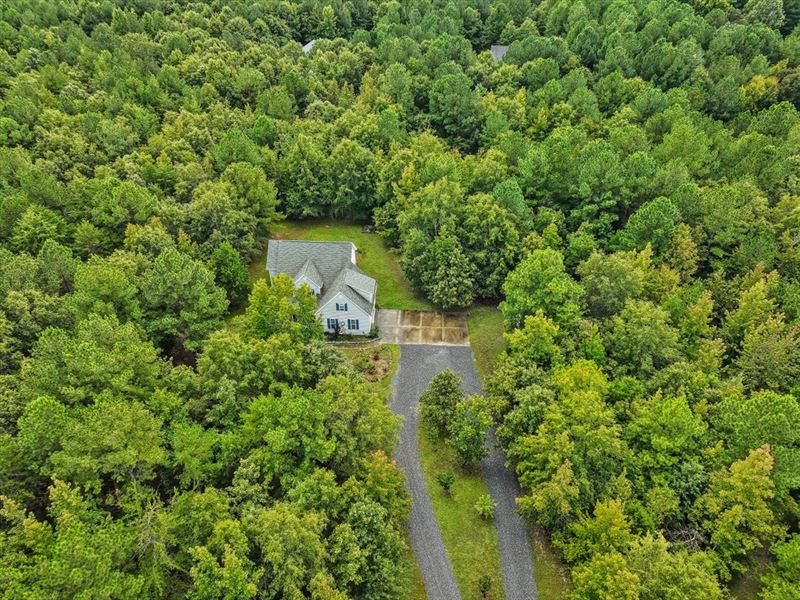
418 365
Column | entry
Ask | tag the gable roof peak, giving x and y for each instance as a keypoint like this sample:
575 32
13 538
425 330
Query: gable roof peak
310 271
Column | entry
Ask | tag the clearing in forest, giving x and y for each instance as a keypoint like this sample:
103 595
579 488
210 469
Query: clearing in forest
375 258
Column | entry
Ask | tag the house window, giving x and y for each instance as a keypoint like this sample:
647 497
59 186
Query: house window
352 324
333 324
341 306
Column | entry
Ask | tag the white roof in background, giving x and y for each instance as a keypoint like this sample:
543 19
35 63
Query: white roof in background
498 52
309 46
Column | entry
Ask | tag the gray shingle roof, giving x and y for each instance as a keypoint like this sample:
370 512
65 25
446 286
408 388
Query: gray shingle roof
289 256
309 269
340 285
327 263
361 282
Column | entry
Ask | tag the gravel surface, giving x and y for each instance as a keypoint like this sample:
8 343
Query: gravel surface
418 364
516 559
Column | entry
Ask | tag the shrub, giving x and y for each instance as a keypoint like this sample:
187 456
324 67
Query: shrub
446 480
485 585
485 507
438 403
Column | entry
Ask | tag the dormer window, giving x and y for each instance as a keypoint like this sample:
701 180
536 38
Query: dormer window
341 306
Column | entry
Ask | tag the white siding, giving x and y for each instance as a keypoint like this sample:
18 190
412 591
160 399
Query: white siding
353 312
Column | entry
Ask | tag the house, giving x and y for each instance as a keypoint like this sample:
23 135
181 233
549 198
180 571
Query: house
345 294
498 52
309 46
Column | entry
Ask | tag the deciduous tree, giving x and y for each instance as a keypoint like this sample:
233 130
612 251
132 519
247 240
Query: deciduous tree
736 512
438 403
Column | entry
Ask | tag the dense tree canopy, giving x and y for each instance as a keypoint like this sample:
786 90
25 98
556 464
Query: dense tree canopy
624 183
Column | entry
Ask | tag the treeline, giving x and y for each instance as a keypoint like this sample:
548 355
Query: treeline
625 179
211 116
263 472
149 448
651 422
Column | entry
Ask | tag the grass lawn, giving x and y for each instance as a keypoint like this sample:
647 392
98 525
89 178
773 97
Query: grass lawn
485 324
552 579
486 338
374 258
388 354
471 541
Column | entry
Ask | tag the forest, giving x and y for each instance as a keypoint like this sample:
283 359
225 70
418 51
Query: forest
625 183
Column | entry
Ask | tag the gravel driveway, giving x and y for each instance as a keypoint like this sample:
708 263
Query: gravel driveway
418 365
516 559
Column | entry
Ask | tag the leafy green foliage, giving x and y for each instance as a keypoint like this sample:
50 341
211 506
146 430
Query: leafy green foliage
468 430
445 479
649 567
540 283
291 463
230 274
280 307
735 510
438 403
623 181
455 109
610 281
783 579
485 507
182 305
